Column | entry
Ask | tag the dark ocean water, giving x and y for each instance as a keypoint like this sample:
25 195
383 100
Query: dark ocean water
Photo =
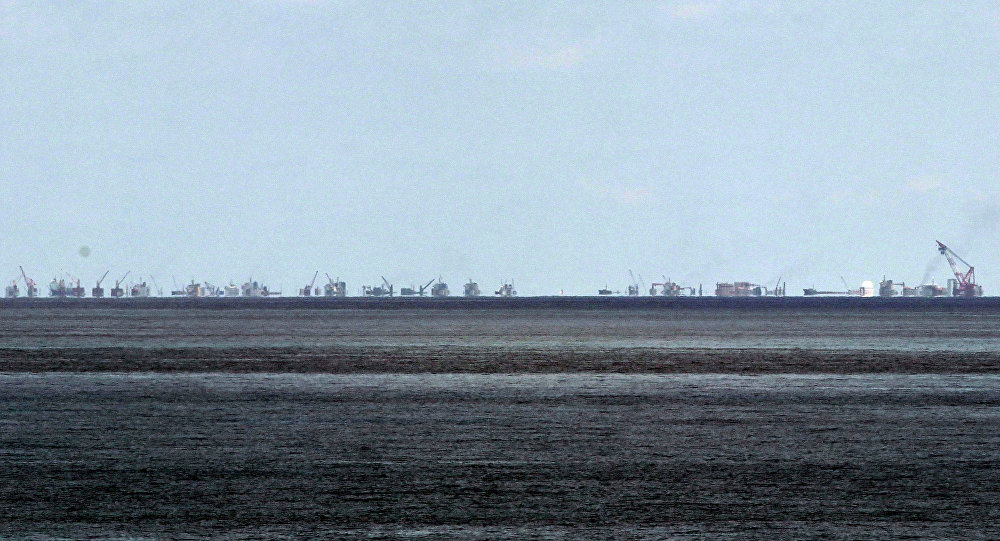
500 421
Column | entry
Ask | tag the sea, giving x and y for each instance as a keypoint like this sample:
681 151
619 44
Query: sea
536 418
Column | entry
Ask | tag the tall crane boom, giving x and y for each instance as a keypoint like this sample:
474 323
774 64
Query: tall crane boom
966 282
29 284
633 285
27 281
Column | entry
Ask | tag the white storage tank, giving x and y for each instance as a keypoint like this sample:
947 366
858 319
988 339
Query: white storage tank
867 289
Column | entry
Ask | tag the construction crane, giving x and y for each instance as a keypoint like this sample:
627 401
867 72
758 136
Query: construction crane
334 288
779 289
409 291
633 285
440 289
308 290
98 291
423 289
670 287
30 286
117 291
652 288
378 291
159 290
965 285
75 290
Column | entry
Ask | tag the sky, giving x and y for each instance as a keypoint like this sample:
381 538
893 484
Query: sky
554 144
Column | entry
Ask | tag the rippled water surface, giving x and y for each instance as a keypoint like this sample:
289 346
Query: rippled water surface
409 446
914 328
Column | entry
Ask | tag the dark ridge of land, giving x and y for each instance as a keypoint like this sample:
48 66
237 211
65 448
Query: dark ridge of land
493 360
940 304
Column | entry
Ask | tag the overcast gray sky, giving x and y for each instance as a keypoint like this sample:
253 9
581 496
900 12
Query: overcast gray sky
555 143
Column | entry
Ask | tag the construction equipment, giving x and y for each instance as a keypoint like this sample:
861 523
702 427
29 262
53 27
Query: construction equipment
334 288
250 288
378 291
31 288
933 290
810 291
506 290
118 291
888 288
76 290
58 287
779 288
471 289
409 291
965 283
633 285
440 289
671 288
140 289
159 290
308 290
741 289
98 291
176 291
195 289
12 291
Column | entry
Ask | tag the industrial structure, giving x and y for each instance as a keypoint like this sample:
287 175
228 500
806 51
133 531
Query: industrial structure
749 289
140 289
117 291
98 291
334 288
385 290
308 290
964 284
440 289
506 290
669 288
252 288
196 290
633 285
420 290
31 288
471 289
62 288
888 288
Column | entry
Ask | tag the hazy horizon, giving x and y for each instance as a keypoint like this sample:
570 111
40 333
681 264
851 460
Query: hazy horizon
556 145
